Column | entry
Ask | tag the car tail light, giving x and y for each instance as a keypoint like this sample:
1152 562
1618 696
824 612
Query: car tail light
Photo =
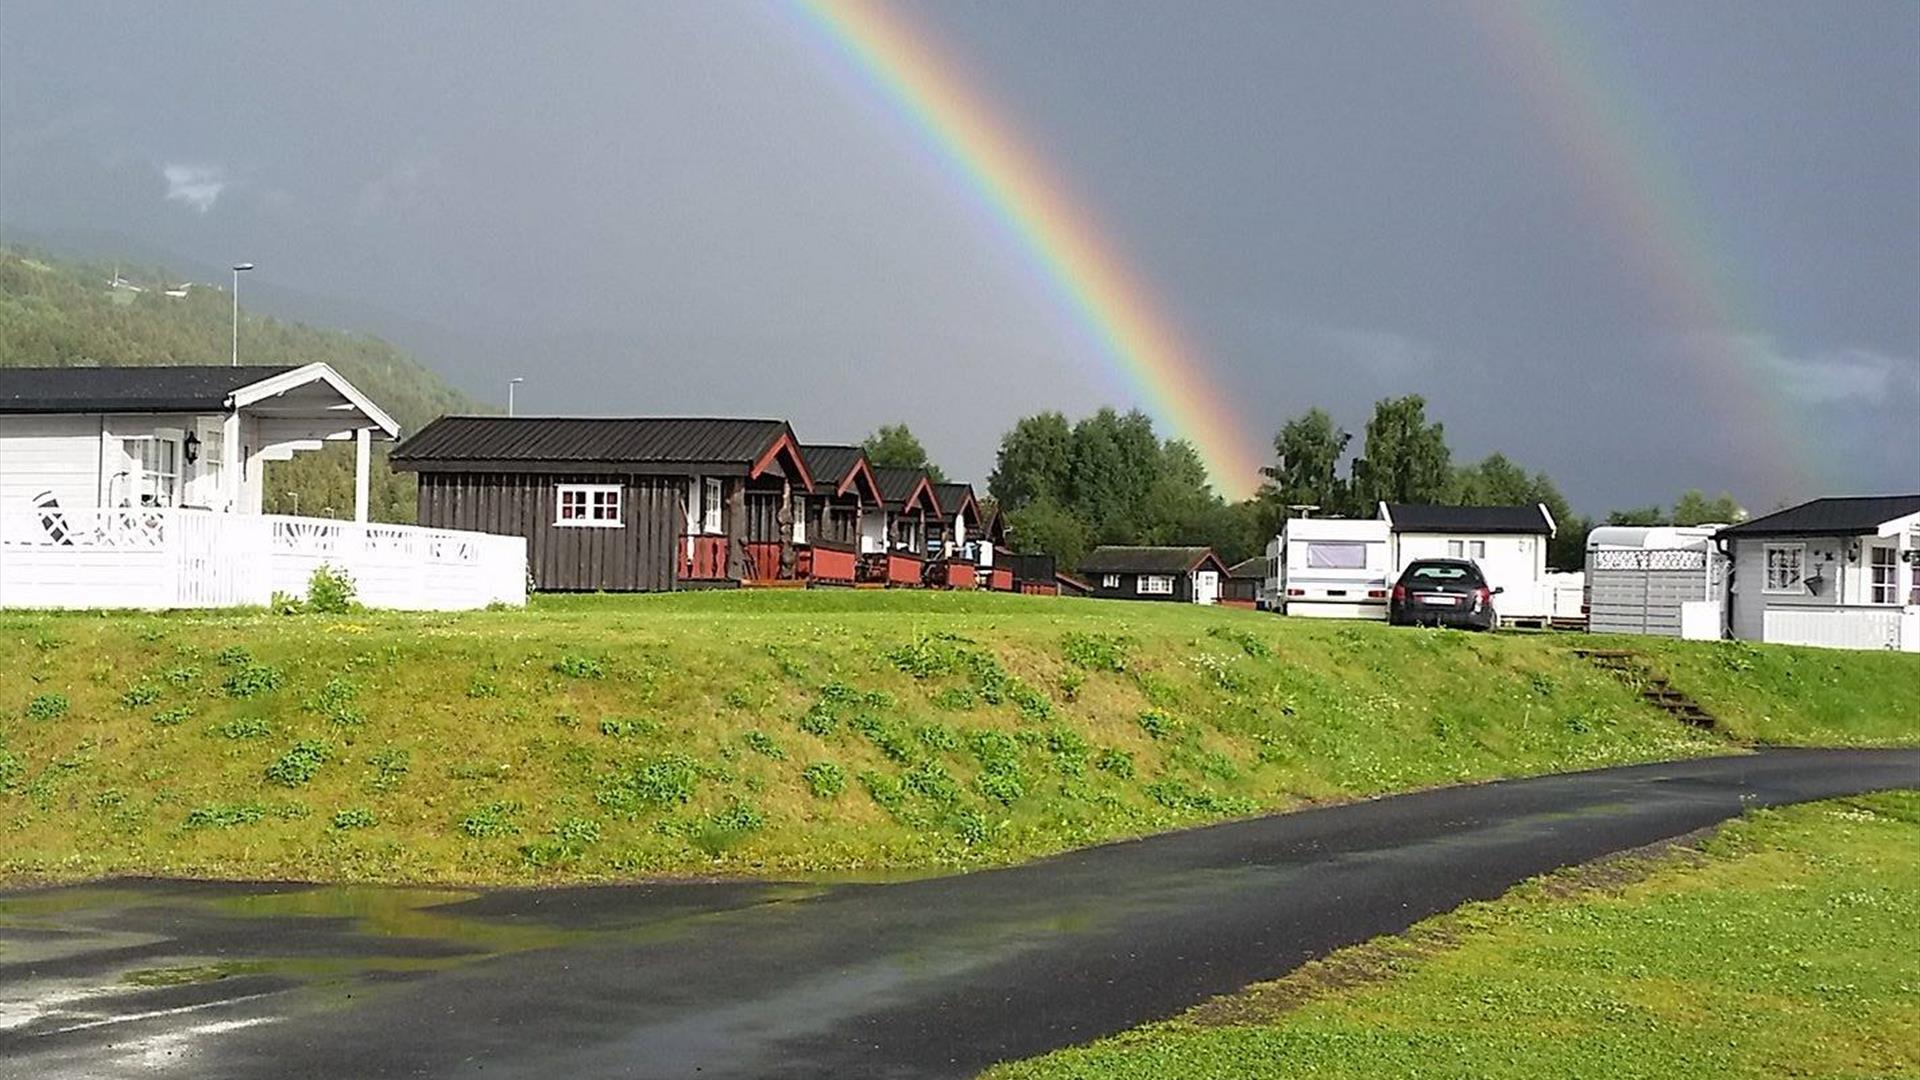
1482 596
1376 594
1400 593
1296 592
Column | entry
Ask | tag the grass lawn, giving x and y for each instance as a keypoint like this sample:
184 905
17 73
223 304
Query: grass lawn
1788 947
593 738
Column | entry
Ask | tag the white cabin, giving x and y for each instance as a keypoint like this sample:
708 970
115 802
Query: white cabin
143 487
1835 572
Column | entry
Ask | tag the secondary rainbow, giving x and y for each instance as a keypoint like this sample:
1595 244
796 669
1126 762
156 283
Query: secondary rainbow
1165 374
1647 213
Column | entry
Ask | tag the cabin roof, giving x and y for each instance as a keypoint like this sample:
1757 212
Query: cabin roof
953 498
899 487
843 469
567 441
1833 516
169 388
1255 567
1116 559
1418 518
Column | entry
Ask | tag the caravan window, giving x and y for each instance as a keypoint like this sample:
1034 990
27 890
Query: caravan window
1336 555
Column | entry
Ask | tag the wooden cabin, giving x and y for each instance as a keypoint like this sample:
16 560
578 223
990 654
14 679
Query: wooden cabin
1181 575
1242 586
990 550
953 538
619 505
893 537
1034 574
827 530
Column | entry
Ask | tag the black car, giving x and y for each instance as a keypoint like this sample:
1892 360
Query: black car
1443 592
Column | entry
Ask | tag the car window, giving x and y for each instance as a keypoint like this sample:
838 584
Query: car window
1440 572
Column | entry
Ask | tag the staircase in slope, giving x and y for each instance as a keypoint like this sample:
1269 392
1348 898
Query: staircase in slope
1654 687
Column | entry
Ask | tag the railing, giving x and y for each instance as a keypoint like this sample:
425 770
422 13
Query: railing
127 558
703 558
1860 627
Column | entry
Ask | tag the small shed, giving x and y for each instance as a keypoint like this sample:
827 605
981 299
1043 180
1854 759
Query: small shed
1838 572
622 504
894 536
1244 579
1185 575
1509 543
827 529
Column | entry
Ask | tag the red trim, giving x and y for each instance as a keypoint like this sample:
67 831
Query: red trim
708 561
925 486
794 460
861 467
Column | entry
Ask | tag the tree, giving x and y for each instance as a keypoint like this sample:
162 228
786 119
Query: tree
1637 515
1308 451
1694 508
1046 526
1407 459
895 446
1116 460
1035 462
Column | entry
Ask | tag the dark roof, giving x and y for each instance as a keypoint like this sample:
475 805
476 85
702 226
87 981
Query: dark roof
831 464
1844 516
159 388
952 497
1255 567
560 440
1413 517
897 486
1113 559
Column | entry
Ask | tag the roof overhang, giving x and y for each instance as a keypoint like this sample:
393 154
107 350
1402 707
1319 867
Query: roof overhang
921 496
784 449
258 397
861 481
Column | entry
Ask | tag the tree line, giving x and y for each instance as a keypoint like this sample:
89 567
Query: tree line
1109 478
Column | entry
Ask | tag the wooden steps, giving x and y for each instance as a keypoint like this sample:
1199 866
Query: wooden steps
1654 687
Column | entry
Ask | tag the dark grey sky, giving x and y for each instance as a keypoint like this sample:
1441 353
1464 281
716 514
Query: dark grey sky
692 207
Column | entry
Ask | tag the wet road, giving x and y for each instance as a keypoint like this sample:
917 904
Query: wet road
931 978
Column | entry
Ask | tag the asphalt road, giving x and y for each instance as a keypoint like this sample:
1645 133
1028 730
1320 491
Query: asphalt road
931 978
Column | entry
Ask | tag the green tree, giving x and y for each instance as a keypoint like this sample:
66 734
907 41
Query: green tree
1406 458
1637 515
1308 451
1035 461
1694 508
894 446
1046 526
1116 460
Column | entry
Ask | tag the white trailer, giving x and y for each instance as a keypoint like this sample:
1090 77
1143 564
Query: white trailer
1663 580
1331 568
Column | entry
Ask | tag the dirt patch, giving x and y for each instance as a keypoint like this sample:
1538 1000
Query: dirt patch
1384 958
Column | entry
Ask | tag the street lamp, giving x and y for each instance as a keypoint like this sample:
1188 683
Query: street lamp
238 268
511 383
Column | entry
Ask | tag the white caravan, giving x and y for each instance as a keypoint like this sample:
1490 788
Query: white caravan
1331 568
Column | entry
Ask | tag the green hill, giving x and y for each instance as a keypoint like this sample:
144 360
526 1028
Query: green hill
65 313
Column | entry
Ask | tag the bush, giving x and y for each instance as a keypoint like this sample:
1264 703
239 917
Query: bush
242 727
173 717
331 591
1115 761
225 815
300 764
1158 724
1095 652
762 743
665 781
11 769
48 707
825 779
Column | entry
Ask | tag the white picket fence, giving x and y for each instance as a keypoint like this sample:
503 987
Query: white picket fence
1845 627
137 558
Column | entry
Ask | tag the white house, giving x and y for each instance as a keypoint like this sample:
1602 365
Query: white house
1508 542
143 486
1837 572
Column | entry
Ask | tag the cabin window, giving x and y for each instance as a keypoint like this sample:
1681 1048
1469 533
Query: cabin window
1786 568
1883 575
710 504
1110 581
800 521
1156 585
153 470
1477 549
1336 555
589 506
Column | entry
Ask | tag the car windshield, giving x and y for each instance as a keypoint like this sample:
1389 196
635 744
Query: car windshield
1438 572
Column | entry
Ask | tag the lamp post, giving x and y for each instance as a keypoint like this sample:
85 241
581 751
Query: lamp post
511 383
238 268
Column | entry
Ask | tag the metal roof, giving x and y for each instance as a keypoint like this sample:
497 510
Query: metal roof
1412 517
1255 567
831 464
897 486
1838 516
559 440
1113 559
952 497
157 388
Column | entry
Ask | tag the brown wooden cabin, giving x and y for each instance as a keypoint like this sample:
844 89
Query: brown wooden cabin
827 531
991 550
1242 585
1034 574
620 505
953 539
894 537
1182 575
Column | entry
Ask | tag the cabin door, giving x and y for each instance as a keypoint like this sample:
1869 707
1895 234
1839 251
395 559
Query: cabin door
1206 586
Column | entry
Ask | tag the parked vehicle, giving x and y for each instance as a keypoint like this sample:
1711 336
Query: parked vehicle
1443 592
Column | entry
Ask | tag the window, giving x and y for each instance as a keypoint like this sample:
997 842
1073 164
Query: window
594 506
710 504
1477 549
1456 549
1883 576
1110 581
1156 585
153 470
1340 555
1786 568
800 520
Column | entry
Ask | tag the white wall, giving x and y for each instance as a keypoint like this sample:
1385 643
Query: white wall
49 453
1517 564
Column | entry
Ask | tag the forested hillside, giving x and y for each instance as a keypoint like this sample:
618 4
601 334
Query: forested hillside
60 312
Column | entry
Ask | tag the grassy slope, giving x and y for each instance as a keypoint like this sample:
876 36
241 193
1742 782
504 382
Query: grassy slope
1791 949
600 737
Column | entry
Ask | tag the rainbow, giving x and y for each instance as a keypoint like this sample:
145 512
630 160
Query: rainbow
1658 227
1164 373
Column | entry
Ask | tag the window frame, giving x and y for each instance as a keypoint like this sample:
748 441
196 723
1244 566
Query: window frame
1156 581
1476 549
1890 588
1799 586
594 502
1109 581
713 502
164 447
